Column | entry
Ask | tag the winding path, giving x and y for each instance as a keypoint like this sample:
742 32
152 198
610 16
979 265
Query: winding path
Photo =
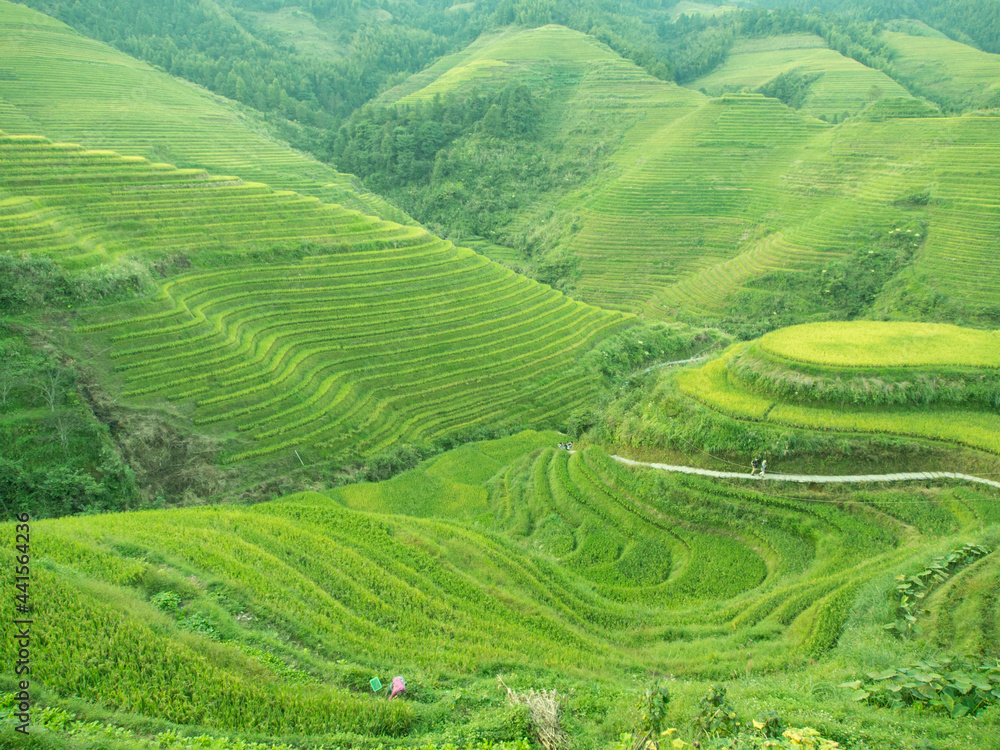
814 478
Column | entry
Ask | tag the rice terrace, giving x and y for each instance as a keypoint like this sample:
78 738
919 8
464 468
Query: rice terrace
503 375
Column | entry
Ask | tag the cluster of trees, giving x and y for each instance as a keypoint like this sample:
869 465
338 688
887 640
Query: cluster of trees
394 146
34 282
789 88
975 22
54 460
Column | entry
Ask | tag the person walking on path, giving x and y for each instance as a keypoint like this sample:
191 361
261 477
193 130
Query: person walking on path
754 466
763 468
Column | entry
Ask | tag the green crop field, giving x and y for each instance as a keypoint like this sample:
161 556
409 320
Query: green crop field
863 377
580 569
357 350
842 85
82 206
707 207
67 87
389 334
920 187
682 206
953 73
277 442
601 97
877 344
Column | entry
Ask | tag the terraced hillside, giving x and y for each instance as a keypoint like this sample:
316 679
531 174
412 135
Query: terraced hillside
950 72
713 208
690 201
85 206
920 380
383 333
358 351
842 86
916 188
599 98
598 103
57 83
580 569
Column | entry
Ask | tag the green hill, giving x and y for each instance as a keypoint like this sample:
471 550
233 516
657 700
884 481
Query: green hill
686 203
838 85
739 211
127 106
302 325
582 572
195 315
591 110
954 74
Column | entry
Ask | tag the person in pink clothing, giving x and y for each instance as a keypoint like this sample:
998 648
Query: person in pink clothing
398 687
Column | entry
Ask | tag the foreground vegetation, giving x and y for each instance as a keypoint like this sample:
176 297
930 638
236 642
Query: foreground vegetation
588 576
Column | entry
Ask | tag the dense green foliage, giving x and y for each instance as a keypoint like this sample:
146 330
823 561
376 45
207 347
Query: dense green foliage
788 88
970 21
621 356
912 591
874 387
392 146
845 288
226 50
584 571
953 686
57 459
429 157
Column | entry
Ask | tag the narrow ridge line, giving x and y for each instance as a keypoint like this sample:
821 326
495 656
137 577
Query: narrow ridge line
809 478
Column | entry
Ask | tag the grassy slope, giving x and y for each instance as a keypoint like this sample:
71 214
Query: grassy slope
689 201
582 572
951 72
602 107
842 190
601 97
127 106
843 85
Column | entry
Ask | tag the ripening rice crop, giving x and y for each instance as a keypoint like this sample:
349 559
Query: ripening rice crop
870 344
571 562
357 350
918 380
